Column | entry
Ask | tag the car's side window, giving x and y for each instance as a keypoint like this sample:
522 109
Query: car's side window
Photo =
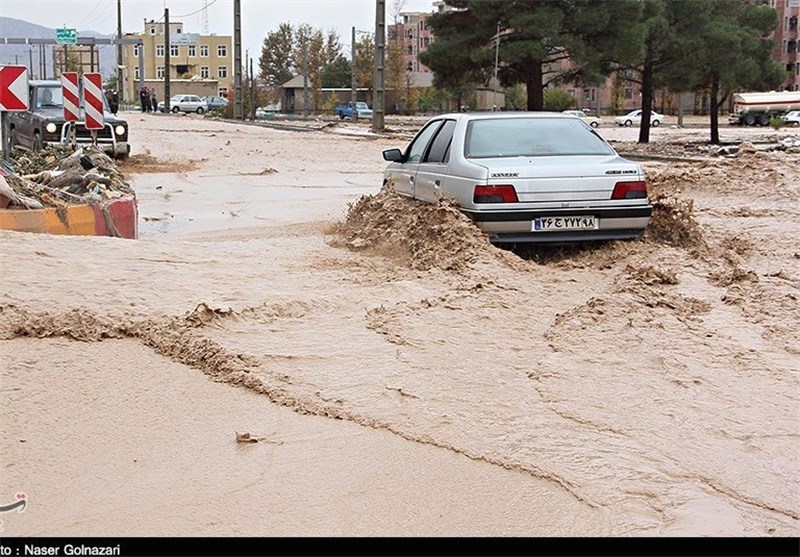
420 144
440 148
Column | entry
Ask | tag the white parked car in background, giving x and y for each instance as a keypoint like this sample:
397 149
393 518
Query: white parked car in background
791 118
634 118
185 103
593 121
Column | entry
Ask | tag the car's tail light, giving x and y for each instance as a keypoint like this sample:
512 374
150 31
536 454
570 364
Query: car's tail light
629 190
495 194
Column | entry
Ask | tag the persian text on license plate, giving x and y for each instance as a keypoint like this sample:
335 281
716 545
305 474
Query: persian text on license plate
564 223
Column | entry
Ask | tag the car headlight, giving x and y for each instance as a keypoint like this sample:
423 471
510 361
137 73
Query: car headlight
120 130
51 128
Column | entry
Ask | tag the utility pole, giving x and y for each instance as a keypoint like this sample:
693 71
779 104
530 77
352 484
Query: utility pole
353 80
380 58
30 56
252 92
238 113
496 65
120 90
167 108
305 77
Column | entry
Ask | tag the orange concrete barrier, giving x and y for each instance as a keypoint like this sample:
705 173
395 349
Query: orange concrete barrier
116 218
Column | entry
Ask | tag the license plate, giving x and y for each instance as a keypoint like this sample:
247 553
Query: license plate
543 224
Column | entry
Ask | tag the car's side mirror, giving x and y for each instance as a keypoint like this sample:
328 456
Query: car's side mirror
393 155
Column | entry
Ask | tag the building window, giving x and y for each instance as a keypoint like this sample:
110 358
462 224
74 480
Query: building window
205 72
192 51
160 72
136 50
222 71
152 30
791 47
588 94
628 93
136 72
160 50
222 51
410 49
410 33
179 29
222 92
173 50
203 51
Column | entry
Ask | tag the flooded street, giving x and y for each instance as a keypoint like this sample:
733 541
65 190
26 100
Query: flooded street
399 375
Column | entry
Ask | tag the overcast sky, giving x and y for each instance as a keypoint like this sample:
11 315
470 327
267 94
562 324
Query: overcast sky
259 17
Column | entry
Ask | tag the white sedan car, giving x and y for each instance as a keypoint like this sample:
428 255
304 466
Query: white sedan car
791 118
634 118
593 121
524 176
185 103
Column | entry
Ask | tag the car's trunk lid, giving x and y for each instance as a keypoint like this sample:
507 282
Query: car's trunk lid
561 179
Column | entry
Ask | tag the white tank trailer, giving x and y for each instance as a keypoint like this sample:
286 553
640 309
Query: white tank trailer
750 109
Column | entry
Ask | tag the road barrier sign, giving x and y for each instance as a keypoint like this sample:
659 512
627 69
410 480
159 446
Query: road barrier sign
93 100
69 90
66 36
13 88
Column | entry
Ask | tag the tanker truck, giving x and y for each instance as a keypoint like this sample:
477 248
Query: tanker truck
750 109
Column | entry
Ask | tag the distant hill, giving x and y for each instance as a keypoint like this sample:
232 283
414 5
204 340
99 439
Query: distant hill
24 54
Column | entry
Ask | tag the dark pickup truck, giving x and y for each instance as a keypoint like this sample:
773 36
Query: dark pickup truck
43 124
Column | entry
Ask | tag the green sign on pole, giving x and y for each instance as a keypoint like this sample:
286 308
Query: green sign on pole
66 36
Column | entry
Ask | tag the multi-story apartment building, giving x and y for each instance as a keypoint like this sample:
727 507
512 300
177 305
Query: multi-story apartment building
415 37
201 64
412 31
787 49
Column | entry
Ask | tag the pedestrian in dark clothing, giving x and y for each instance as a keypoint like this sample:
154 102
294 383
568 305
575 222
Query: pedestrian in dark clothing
114 102
147 105
154 100
143 98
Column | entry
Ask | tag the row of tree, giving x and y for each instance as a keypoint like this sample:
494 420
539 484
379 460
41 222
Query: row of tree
713 46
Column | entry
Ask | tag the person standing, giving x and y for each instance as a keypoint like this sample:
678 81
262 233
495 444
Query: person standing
153 100
114 102
143 98
148 107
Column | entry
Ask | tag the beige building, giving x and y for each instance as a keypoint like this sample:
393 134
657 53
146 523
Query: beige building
198 64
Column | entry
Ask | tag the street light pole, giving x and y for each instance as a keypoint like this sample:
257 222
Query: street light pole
353 81
496 64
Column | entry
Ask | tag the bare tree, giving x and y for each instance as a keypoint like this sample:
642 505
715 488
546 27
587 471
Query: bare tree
396 9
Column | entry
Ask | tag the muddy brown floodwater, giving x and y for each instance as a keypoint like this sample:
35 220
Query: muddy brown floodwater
389 371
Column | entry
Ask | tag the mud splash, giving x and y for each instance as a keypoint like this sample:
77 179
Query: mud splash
418 235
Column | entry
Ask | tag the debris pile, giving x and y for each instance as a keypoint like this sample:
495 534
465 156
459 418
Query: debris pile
55 177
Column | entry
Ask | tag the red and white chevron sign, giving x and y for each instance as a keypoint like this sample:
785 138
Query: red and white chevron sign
13 88
93 100
69 90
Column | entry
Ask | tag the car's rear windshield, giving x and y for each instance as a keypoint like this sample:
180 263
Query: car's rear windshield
532 137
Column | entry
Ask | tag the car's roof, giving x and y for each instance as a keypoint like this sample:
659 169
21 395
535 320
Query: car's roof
517 114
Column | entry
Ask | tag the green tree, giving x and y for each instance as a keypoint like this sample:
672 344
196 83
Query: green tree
337 73
365 59
671 33
736 52
540 42
558 100
276 64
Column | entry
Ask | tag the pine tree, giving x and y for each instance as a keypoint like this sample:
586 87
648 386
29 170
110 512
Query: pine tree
537 39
